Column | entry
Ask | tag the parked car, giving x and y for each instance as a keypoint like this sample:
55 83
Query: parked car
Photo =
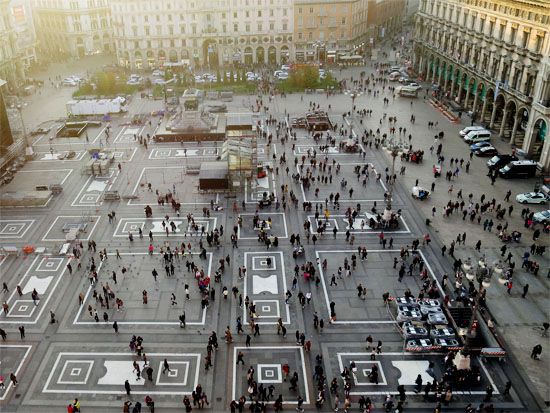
415 85
286 68
437 319
486 151
477 136
412 315
158 72
69 82
532 198
519 169
444 332
411 331
474 147
542 216
446 342
419 344
469 129
428 305
497 162
406 301
158 81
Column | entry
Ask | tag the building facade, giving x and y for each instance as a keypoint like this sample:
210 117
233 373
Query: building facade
385 18
202 33
73 28
325 30
492 58
11 65
25 33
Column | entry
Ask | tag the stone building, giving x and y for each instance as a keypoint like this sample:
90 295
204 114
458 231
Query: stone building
492 58
205 33
11 64
73 28
325 30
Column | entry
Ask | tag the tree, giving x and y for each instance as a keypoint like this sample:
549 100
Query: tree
231 78
305 77
106 83
218 77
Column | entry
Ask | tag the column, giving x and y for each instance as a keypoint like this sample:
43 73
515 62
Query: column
474 106
493 115
529 140
483 108
523 82
452 84
503 123
467 94
514 129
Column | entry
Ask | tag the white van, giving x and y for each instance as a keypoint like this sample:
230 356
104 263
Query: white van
477 136
469 129
394 76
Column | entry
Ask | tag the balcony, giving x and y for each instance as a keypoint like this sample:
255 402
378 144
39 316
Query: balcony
543 107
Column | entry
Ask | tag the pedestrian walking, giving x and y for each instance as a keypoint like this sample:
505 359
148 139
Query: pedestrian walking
525 290
22 332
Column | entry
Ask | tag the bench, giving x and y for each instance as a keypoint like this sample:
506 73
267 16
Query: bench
79 227
111 196
72 234
9 250
64 248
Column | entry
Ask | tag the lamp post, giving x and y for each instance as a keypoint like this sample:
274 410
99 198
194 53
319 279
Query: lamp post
394 152
483 276
29 151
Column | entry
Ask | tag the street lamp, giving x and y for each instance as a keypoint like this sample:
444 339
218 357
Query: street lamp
483 276
29 152
394 152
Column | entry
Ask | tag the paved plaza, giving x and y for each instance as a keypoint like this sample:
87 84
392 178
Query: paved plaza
79 313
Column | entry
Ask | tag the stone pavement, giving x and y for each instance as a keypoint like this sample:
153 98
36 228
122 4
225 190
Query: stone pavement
78 356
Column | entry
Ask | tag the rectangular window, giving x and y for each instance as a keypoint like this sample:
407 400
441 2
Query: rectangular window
513 35
502 31
285 27
540 41
343 21
247 27
235 27
272 26
525 40
259 27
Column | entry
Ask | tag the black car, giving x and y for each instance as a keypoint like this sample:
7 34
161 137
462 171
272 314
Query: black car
498 161
486 151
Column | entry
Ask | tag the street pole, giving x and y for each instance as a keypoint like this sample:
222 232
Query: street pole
29 152
394 154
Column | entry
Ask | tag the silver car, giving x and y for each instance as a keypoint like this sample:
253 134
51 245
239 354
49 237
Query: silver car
409 315
437 319
446 342
425 310
419 344
411 331
406 301
444 332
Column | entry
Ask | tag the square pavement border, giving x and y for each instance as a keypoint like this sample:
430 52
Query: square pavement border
352 322
263 348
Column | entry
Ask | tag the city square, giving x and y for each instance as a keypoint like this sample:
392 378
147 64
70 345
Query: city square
317 278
